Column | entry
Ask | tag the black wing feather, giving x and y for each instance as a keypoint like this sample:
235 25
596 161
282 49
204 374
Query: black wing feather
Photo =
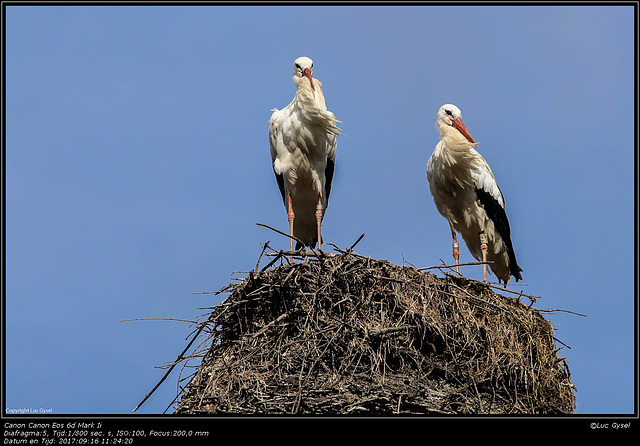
328 175
280 180
498 215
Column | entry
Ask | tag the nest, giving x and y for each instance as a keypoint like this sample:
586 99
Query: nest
346 334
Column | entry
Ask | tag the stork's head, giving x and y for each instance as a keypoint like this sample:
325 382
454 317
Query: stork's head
303 67
449 116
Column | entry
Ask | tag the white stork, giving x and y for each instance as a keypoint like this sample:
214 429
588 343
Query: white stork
303 138
467 195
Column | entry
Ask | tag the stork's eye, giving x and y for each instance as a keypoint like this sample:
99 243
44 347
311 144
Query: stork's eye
449 112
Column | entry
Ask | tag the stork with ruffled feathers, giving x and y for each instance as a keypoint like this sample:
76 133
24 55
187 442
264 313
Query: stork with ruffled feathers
303 138
466 193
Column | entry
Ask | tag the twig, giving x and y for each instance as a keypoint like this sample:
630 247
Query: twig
568 346
348 250
391 279
453 266
408 262
478 299
494 286
345 253
157 319
274 260
270 324
298 253
520 293
356 242
224 289
281 233
178 359
383 331
264 248
547 310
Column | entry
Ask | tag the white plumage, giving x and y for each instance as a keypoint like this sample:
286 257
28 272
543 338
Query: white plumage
303 138
467 195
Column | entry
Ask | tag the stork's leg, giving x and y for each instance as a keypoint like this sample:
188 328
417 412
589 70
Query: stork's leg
291 218
319 209
483 246
456 249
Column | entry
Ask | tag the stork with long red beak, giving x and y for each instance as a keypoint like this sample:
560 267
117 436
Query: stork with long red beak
467 195
303 138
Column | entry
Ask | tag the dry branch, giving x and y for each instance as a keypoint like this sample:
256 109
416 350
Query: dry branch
426 268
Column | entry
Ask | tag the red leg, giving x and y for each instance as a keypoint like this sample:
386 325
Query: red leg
291 216
483 246
456 249
319 209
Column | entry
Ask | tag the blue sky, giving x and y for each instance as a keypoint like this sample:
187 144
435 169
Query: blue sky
137 167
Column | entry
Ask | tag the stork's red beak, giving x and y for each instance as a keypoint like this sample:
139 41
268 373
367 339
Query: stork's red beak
457 123
307 73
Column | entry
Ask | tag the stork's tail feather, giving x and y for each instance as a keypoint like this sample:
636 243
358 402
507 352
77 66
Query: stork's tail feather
515 272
